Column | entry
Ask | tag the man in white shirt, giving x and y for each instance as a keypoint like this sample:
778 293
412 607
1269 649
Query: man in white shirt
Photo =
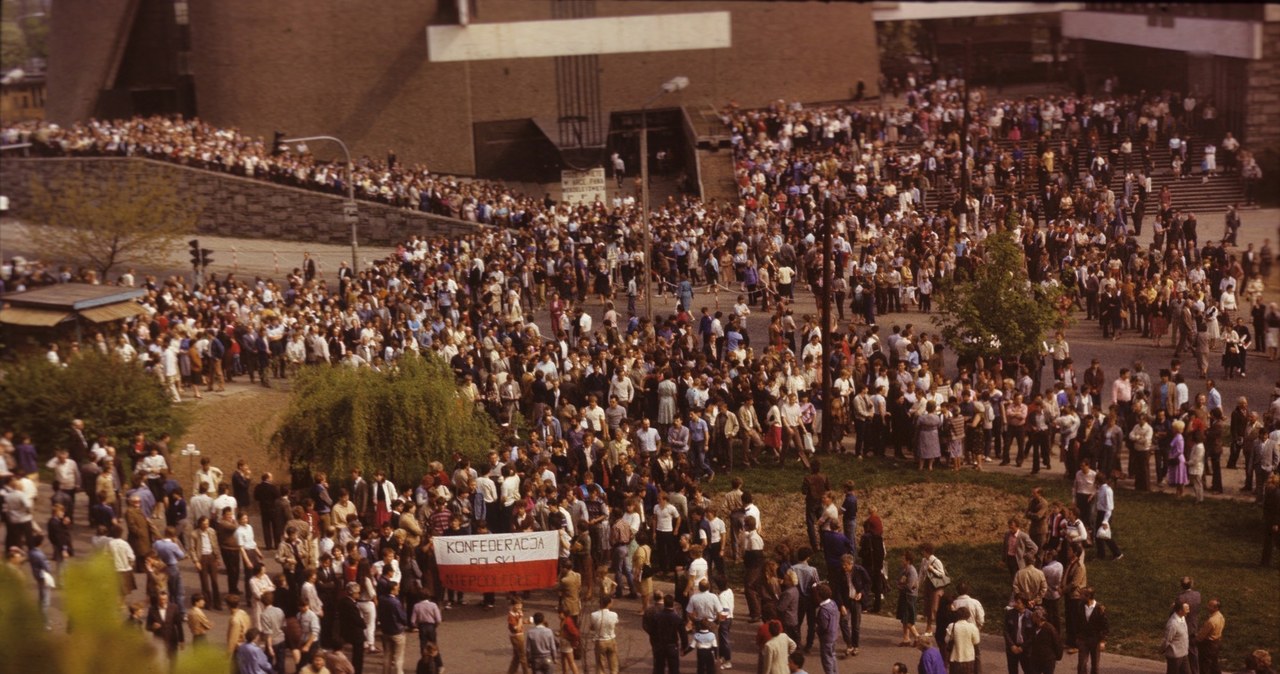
977 615
1104 503
200 505
647 439
602 626
66 479
19 507
704 604
593 413
1085 489
666 519
223 500
750 509
510 487
208 477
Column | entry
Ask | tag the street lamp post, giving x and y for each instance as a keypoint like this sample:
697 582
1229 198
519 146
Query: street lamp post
349 209
670 86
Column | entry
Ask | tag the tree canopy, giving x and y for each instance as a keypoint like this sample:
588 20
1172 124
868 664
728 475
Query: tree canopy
399 419
123 220
114 399
995 308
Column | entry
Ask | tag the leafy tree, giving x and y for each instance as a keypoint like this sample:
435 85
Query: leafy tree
99 643
102 223
113 398
995 309
398 420
12 52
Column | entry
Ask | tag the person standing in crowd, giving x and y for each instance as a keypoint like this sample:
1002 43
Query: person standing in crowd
1104 532
1018 630
394 624
963 636
602 628
516 633
1045 645
352 626
667 636
828 621
1092 629
1191 597
1175 643
1209 639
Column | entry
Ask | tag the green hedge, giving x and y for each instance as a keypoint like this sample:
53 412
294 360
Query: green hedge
113 398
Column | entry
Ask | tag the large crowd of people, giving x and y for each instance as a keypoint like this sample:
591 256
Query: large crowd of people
632 418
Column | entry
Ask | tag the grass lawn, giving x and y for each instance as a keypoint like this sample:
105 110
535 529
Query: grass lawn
1216 542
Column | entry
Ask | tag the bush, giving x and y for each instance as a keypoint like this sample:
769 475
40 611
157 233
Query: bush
100 641
397 420
113 398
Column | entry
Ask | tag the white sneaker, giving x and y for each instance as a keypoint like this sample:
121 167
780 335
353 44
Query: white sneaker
727 665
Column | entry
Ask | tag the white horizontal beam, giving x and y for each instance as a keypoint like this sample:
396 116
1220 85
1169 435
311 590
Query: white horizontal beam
578 37
923 11
1221 37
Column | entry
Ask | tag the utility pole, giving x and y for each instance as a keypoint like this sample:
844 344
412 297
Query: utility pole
828 234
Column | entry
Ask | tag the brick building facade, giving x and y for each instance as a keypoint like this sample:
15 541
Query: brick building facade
361 72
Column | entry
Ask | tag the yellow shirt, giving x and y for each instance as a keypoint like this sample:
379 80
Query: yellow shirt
1211 630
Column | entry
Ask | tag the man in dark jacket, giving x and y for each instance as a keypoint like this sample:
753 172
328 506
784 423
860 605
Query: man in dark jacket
165 621
267 494
1092 629
1044 648
1018 630
351 626
667 637
850 589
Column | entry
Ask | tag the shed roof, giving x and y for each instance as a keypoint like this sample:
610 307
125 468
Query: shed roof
72 296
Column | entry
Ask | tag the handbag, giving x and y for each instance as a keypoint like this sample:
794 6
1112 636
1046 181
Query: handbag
1104 532
937 574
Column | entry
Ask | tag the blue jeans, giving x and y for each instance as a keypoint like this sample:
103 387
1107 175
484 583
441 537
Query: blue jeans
175 584
726 652
698 456
622 569
828 650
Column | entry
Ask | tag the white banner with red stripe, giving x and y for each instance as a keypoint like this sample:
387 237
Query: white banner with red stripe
498 562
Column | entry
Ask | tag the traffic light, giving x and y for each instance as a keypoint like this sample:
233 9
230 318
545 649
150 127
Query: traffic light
194 249
277 144
206 257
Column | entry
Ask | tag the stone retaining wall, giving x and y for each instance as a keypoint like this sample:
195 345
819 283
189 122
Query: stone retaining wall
228 205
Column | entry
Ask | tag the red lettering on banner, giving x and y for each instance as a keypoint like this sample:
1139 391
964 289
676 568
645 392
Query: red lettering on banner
504 577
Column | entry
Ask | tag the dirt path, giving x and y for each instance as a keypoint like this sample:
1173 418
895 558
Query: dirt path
234 425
